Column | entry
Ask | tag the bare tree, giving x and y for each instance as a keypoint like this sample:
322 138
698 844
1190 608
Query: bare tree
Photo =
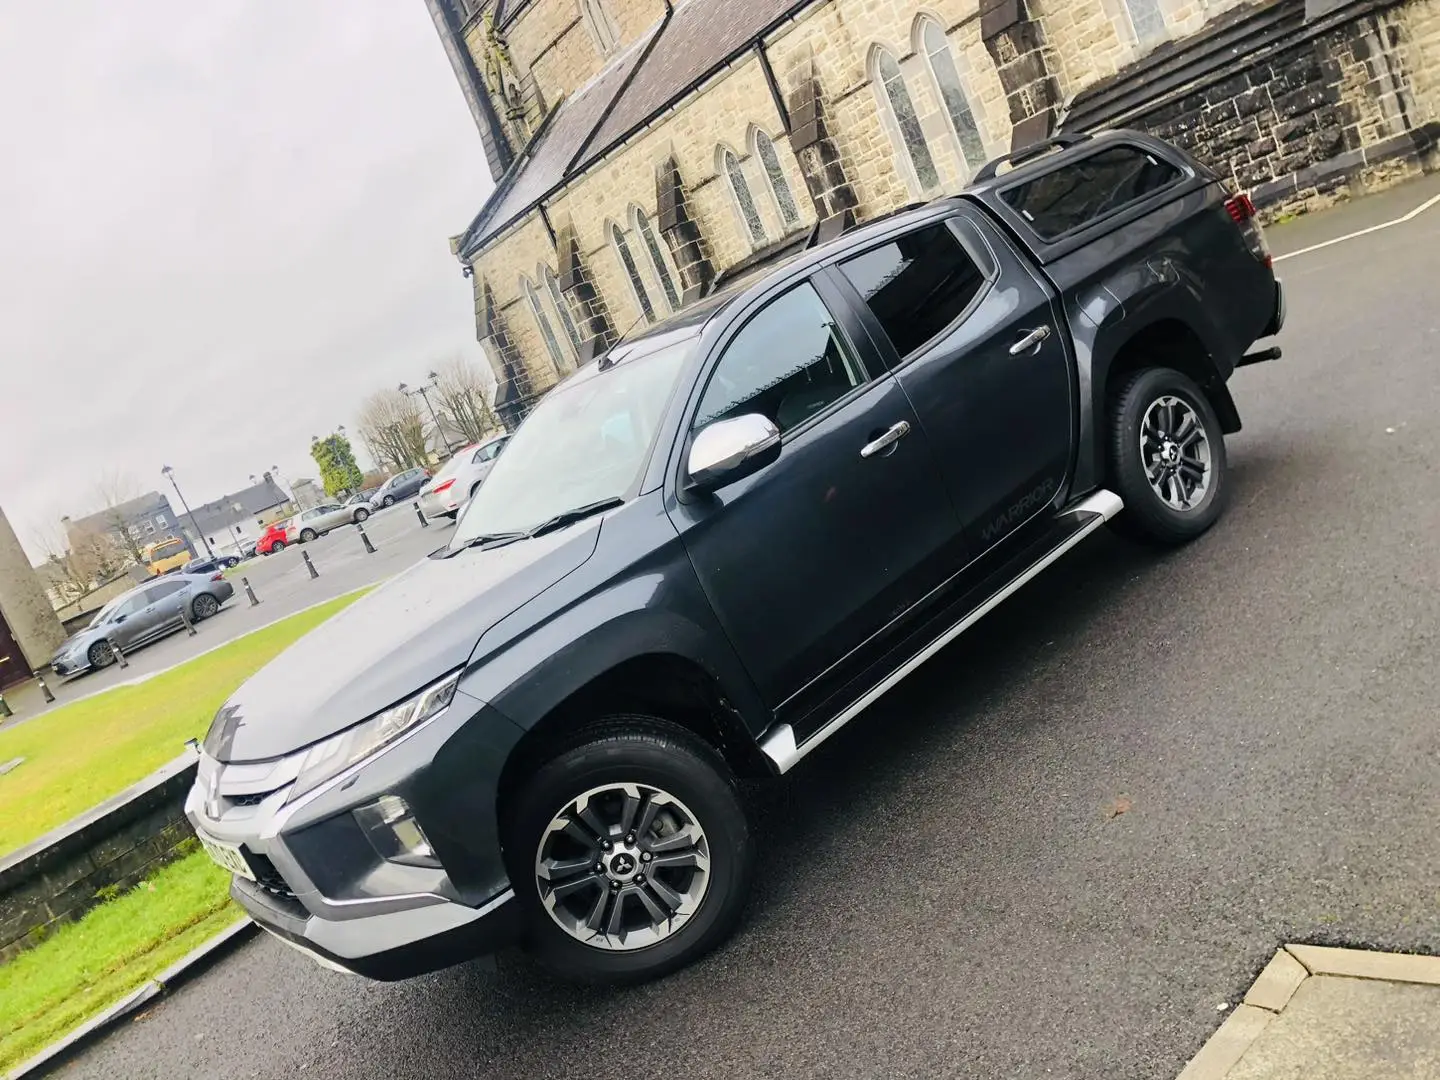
462 394
78 562
393 429
114 489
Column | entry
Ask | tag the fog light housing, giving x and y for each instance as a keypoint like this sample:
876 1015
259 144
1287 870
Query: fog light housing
393 832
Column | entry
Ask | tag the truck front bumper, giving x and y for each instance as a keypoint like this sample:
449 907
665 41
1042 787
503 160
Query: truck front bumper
389 946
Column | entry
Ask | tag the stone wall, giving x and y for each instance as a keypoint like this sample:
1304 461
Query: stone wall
100 854
1296 112
24 605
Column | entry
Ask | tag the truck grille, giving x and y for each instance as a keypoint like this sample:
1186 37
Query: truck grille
267 877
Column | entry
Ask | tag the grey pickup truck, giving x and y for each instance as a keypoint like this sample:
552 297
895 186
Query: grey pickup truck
706 552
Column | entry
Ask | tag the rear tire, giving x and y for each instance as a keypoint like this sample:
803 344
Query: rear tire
100 655
307 535
675 800
1166 457
203 606
361 515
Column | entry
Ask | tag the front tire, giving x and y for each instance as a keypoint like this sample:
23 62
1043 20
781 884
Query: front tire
100 655
389 500
1166 457
630 852
278 545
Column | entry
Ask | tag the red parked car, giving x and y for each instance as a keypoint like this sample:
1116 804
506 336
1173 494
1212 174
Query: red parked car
273 538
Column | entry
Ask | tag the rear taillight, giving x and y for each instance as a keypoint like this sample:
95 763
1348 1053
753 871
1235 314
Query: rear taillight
1242 211
1241 208
217 577
446 486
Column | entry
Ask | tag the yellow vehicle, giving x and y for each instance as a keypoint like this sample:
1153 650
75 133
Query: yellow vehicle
165 555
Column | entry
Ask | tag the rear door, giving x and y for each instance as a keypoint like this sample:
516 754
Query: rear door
167 600
809 559
974 336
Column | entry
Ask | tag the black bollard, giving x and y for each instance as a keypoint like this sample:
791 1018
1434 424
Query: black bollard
365 539
44 689
309 565
5 709
185 618
421 515
119 656
249 591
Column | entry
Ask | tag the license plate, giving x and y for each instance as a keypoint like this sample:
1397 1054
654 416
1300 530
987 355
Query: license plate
227 855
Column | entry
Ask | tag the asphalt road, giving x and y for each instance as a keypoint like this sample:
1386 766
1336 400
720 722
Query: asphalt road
283 586
946 888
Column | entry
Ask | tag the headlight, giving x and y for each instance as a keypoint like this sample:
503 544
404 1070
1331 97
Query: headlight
339 752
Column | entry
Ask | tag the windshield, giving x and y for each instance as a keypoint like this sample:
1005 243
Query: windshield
165 551
585 442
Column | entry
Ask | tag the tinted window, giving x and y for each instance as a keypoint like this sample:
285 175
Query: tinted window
788 363
917 285
1077 194
164 589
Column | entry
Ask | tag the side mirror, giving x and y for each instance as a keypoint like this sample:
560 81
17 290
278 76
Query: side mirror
729 450
119 619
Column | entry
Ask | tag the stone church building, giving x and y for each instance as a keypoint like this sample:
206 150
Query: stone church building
646 152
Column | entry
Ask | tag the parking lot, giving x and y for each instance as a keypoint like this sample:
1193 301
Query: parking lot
283 586
1068 843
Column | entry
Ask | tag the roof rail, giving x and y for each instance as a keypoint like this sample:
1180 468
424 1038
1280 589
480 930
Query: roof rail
1018 157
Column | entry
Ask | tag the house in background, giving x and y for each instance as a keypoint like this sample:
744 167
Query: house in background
231 521
308 493
131 524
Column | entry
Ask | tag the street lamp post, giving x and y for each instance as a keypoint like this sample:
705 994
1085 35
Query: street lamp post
170 475
439 431
237 508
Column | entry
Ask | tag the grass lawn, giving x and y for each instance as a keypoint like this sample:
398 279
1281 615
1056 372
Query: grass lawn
80 754
88 965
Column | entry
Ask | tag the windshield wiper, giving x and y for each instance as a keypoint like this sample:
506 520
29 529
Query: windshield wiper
485 541
569 517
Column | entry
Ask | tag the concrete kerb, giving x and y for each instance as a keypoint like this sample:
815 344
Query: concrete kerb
187 967
1269 995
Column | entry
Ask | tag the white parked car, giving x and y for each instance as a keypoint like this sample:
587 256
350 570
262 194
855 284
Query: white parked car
446 493
319 520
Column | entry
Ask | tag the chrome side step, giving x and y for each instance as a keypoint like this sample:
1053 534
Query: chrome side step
780 746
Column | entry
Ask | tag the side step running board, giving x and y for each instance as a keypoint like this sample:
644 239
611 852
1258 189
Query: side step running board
780 746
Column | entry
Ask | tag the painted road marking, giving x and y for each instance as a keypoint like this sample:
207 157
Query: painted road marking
1426 205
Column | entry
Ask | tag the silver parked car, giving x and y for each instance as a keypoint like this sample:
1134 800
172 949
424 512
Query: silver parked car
459 478
319 520
140 616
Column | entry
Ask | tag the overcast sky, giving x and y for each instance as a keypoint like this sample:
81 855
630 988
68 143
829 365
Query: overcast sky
224 224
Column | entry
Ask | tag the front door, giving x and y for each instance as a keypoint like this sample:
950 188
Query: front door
13 668
811 557
976 339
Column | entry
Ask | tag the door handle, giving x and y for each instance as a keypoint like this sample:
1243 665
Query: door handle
884 442
1030 340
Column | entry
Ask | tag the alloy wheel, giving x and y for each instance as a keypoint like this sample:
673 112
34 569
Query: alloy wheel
1175 452
622 867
